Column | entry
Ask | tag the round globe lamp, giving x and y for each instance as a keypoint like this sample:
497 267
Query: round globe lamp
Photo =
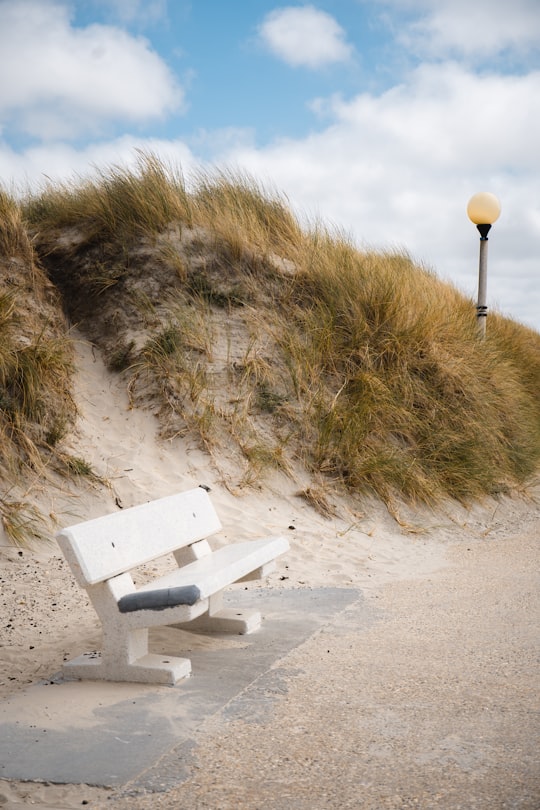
483 209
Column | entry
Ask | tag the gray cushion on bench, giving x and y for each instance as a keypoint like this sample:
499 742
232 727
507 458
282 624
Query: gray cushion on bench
159 600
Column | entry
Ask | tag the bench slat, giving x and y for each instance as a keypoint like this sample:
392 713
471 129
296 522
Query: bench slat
106 546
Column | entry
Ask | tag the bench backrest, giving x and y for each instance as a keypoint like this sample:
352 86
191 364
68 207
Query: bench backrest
106 546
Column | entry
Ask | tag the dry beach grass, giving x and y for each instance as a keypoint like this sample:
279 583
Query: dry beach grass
283 345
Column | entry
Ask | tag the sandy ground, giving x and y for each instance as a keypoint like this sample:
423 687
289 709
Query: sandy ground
434 706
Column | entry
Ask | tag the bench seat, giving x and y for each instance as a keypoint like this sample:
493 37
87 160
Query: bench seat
212 573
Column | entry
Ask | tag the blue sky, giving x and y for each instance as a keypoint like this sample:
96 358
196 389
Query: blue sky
381 117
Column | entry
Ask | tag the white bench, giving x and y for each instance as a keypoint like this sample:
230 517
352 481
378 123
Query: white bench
102 552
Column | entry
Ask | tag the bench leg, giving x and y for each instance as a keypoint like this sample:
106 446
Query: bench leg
125 657
224 620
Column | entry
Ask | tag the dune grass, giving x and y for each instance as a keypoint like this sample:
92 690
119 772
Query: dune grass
402 395
119 203
287 340
36 365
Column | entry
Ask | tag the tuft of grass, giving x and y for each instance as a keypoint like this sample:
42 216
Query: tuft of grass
14 242
168 252
118 203
21 521
317 497
36 365
75 467
247 221
121 358
35 351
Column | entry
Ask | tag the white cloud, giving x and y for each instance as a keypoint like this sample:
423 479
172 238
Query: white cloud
66 81
479 29
398 169
304 36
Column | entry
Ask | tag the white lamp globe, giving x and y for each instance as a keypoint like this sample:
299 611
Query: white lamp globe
483 208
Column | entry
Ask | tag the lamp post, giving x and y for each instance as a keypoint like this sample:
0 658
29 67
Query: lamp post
483 209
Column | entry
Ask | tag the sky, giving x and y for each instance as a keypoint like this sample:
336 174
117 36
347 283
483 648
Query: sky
378 117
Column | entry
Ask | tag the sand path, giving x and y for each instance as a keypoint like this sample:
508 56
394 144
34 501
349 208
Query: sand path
434 706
